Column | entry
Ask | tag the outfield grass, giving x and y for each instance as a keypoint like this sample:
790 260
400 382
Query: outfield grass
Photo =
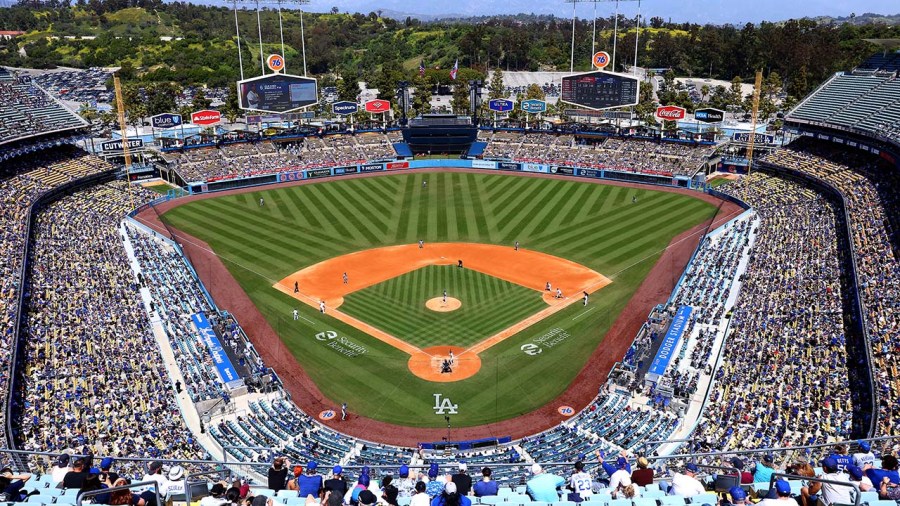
397 306
592 224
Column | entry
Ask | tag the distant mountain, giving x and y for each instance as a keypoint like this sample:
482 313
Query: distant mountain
862 19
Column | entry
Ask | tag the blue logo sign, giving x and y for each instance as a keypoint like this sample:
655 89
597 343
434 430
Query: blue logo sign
534 106
166 120
500 105
344 108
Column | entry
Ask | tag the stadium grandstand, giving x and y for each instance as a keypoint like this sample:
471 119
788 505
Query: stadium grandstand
113 349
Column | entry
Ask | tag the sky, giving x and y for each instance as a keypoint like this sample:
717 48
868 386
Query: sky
700 11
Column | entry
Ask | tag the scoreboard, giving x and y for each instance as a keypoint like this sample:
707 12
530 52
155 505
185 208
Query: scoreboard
277 93
600 90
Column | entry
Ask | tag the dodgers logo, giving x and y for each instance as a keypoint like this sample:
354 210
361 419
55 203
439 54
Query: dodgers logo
443 405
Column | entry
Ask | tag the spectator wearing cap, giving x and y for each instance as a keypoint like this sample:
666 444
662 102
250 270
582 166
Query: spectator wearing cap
832 493
745 477
336 484
486 486
686 484
620 475
462 479
643 475
154 473
216 496
367 498
542 486
841 458
292 483
310 484
888 470
75 477
421 497
436 481
173 488
61 468
277 475
859 477
362 483
93 483
764 470
406 485
262 500
105 474
451 497
864 457
11 486
389 492
738 495
782 495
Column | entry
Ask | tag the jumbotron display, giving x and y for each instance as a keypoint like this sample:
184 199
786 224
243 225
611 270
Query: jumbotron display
277 93
600 90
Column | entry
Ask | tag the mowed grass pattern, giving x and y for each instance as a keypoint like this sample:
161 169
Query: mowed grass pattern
593 224
397 306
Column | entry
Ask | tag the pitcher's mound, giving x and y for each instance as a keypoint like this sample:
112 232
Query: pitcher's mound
438 304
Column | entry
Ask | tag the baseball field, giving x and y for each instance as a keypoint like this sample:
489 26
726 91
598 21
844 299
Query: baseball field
385 334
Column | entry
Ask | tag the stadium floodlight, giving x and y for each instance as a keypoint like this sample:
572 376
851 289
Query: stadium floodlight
594 34
278 3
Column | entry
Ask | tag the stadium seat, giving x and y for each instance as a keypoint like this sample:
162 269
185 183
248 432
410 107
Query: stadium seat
619 502
520 489
671 500
403 501
651 487
565 503
705 499
644 501
491 499
653 494
883 502
286 493
868 497
40 499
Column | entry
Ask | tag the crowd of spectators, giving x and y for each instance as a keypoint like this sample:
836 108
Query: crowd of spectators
788 316
26 110
870 190
92 376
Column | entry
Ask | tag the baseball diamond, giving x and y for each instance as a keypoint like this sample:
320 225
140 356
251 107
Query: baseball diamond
597 226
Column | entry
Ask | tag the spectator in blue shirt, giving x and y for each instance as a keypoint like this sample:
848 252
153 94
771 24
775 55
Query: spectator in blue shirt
543 486
449 497
310 484
888 470
486 486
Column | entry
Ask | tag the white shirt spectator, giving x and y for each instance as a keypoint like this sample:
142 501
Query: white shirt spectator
835 494
686 486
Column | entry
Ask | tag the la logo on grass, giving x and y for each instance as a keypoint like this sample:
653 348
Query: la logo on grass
443 405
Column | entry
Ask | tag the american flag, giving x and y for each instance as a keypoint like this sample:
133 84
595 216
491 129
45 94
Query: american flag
455 69
422 68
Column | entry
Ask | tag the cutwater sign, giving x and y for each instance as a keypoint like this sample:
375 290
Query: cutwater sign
500 105
534 106
669 345
344 108
167 120
223 365
117 145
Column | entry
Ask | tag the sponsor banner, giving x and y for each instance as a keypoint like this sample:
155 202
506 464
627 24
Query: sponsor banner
371 167
759 139
275 62
534 167
327 415
852 144
483 164
600 59
669 346
500 105
823 137
838 140
166 120
589 173
314 173
587 113
509 166
566 410
292 176
344 108
206 117
534 106
397 165
378 105
223 365
709 115
339 171
117 145
562 171
670 113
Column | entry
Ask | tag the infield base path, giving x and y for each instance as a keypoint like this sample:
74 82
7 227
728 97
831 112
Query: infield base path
324 281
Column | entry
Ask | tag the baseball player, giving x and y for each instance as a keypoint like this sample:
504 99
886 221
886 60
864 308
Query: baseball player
445 296
558 293
344 411
261 202
296 287
516 246
296 315
585 298
322 306
459 264
548 286
424 183
452 358
346 279
421 244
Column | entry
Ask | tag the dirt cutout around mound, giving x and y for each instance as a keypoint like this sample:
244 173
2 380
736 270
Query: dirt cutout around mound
330 280
443 305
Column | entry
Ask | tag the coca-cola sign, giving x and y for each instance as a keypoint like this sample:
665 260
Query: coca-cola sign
670 113
206 117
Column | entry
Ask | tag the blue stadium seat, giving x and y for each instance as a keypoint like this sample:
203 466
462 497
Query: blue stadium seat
651 487
490 499
644 501
883 502
671 500
868 497
705 499
286 493
619 502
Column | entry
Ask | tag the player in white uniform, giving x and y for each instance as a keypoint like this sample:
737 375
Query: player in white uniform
580 482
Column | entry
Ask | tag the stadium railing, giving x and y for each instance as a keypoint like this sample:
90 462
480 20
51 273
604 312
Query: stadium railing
816 479
93 493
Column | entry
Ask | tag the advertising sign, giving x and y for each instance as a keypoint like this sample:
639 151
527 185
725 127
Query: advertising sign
344 108
292 176
277 93
117 145
600 59
397 165
314 173
371 167
377 106
275 62
509 166
340 171
600 90
167 120
534 167
709 115
534 106
758 139
670 113
220 359
562 171
483 164
500 105
206 117
668 348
